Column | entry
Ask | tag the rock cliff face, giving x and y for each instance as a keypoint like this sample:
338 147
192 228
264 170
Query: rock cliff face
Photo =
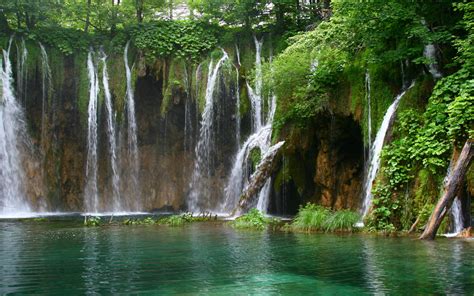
322 163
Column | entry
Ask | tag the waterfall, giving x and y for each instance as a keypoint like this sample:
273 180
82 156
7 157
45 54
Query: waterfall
368 90
111 134
429 53
133 153
91 198
22 70
202 167
255 94
46 88
12 129
456 212
456 208
261 139
375 151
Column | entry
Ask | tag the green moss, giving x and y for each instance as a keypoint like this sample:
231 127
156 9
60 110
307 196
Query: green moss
118 85
255 157
80 61
244 101
174 83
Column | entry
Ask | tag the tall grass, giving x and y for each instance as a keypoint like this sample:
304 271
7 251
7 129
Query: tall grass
254 219
313 217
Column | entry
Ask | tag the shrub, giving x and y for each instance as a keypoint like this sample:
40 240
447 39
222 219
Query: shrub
252 220
146 221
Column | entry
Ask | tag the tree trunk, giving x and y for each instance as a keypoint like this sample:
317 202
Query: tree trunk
88 16
170 7
139 7
452 188
258 179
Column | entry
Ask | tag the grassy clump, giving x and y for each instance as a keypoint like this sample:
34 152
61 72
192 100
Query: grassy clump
181 220
318 218
253 220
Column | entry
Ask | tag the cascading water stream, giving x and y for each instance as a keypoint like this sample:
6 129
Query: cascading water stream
261 139
202 167
456 212
256 93
376 149
111 134
12 128
456 208
22 70
91 198
133 153
429 52
46 87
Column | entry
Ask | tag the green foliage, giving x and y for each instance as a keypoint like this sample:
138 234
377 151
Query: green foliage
342 221
255 157
184 39
92 221
146 221
313 217
183 219
65 40
384 211
254 219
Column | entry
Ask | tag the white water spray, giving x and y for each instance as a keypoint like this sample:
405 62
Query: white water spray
111 134
91 198
12 130
133 153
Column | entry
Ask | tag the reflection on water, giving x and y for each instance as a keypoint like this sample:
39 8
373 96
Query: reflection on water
60 257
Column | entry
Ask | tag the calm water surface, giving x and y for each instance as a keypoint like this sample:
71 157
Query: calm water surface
65 258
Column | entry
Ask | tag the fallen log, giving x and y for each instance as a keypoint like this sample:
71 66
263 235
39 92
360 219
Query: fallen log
452 188
258 179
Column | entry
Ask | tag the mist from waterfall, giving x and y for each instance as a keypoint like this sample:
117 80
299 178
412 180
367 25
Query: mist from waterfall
91 198
199 191
133 152
13 200
375 153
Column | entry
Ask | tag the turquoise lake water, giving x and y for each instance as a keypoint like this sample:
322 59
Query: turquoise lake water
65 258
